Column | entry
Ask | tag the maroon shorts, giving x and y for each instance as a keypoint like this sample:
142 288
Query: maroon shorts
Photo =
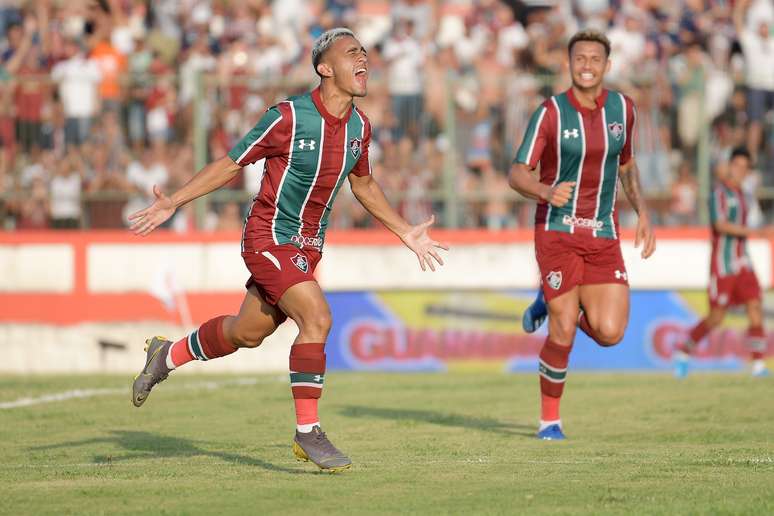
734 289
567 260
277 268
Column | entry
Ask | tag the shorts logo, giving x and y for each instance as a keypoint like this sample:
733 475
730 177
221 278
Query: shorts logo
300 261
621 275
616 129
354 147
554 279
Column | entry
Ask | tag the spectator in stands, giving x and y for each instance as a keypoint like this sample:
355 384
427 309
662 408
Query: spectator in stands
142 175
65 192
405 57
78 79
758 48
684 196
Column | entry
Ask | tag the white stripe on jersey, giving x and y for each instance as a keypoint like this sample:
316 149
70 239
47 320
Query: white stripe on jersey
258 140
558 155
602 169
580 170
316 175
535 135
284 174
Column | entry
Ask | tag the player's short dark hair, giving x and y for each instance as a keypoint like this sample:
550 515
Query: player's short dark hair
589 35
740 151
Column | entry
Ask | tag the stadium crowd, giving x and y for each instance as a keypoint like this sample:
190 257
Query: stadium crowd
101 100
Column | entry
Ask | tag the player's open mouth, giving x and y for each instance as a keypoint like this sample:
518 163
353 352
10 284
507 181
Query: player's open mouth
361 75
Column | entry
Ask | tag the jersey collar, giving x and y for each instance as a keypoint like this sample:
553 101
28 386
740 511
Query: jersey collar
318 103
600 101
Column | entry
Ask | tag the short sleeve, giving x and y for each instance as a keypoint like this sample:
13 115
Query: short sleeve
535 139
270 137
717 206
627 152
363 165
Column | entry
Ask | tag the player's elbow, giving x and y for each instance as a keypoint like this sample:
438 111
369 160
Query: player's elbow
516 177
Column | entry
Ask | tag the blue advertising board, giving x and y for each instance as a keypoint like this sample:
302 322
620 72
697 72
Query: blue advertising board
448 330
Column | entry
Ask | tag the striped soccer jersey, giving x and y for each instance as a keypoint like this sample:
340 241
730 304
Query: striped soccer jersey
308 153
729 253
574 143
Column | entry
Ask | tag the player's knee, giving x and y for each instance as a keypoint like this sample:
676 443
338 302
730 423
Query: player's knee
609 334
563 331
318 323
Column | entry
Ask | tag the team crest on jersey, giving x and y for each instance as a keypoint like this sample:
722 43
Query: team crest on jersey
554 279
616 129
300 261
354 147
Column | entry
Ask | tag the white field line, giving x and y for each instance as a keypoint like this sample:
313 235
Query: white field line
91 393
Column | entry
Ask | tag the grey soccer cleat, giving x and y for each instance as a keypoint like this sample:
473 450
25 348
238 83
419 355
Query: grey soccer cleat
315 446
155 370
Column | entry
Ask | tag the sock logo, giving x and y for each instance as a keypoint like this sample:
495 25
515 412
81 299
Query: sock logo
301 262
554 279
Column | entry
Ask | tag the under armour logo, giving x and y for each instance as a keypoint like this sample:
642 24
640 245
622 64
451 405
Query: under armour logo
303 145
568 133
318 378
621 275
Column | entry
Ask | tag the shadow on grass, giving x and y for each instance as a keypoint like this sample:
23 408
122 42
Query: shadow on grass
443 419
147 445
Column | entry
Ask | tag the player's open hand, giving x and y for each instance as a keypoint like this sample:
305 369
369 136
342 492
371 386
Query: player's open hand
645 236
418 240
560 194
145 221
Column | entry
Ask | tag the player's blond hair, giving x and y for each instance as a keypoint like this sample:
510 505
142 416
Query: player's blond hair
589 35
326 39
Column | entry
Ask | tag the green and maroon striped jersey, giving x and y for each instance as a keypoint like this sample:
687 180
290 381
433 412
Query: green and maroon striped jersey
574 143
308 153
729 253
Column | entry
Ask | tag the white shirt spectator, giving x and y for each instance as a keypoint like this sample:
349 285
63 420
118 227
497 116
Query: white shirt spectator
65 196
78 80
509 39
406 58
758 59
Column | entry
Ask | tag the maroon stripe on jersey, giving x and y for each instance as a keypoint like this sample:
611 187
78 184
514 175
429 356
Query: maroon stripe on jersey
258 227
548 161
330 168
588 189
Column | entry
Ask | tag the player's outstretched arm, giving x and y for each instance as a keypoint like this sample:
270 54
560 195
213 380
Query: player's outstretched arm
208 179
368 192
630 180
521 179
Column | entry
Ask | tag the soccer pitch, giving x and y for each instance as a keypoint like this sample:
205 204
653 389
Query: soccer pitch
421 443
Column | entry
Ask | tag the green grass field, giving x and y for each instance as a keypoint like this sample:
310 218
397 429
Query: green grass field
421 443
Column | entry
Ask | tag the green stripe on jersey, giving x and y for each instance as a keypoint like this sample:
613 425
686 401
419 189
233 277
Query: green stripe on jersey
524 154
614 113
307 378
571 144
255 135
300 177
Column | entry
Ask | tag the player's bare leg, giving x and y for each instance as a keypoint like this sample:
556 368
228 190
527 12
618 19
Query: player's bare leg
756 338
554 356
605 312
215 338
684 350
306 305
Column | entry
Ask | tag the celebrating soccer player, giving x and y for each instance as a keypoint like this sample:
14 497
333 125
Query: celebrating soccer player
732 278
583 141
311 143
